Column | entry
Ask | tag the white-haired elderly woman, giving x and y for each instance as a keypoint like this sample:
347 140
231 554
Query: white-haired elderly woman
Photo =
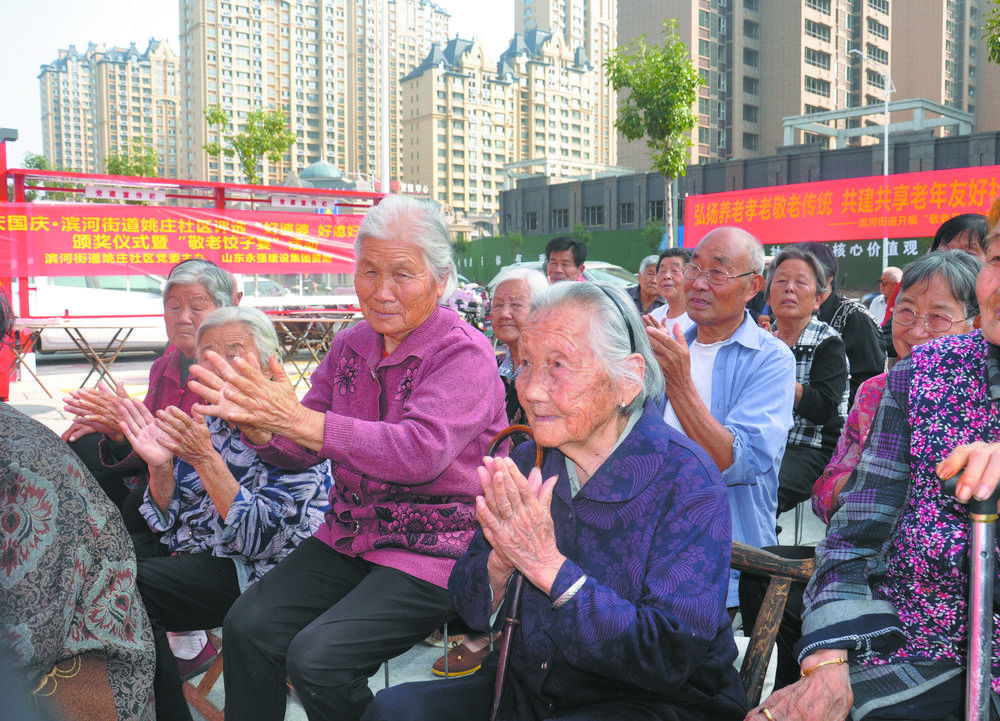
226 516
404 405
646 293
624 546
193 289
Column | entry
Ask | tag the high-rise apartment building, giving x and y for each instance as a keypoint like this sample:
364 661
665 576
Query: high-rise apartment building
99 102
468 122
764 61
317 61
589 29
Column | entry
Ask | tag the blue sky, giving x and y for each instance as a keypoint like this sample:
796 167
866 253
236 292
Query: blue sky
31 34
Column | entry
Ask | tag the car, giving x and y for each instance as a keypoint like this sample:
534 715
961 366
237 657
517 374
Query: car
108 297
594 270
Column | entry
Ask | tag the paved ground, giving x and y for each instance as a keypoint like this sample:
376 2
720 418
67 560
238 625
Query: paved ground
62 374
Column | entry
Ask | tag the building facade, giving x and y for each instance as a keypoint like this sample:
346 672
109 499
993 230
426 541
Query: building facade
471 126
316 61
97 103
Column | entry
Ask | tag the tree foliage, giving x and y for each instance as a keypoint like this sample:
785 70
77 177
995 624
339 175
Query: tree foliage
265 134
37 161
581 233
991 32
515 240
653 235
139 160
663 88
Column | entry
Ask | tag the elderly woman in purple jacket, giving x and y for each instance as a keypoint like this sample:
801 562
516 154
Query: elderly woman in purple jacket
624 548
404 406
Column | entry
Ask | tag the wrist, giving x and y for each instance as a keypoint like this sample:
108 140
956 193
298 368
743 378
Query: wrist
822 660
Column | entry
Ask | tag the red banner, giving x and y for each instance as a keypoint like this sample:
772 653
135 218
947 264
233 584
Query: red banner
87 239
905 205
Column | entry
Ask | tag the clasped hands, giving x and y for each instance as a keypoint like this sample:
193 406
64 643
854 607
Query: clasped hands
515 515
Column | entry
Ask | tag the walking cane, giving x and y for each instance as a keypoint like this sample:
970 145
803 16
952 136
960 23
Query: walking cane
982 515
514 598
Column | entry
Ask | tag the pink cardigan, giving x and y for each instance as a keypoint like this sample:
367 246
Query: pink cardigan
404 435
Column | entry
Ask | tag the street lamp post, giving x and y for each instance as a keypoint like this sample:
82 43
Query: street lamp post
888 87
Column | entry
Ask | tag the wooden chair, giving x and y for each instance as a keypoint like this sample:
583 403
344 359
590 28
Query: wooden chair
782 572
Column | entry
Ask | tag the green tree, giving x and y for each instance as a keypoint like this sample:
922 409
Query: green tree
653 235
462 244
265 134
140 159
37 161
663 88
991 32
34 161
581 233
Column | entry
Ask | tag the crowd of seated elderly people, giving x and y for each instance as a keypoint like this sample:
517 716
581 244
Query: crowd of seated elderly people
331 533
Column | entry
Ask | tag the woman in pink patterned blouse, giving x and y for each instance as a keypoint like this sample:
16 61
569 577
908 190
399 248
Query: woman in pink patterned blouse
937 296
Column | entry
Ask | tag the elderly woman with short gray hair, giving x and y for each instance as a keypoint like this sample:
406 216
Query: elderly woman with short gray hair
624 548
404 405
646 293
226 516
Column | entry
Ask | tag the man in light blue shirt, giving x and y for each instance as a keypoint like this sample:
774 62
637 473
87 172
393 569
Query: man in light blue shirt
730 384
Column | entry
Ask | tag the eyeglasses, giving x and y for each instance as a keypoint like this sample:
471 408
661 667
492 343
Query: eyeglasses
934 322
714 276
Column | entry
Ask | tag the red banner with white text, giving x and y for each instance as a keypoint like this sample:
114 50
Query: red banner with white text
905 205
87 239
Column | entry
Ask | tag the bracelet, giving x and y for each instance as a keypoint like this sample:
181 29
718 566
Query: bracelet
569 593
829 662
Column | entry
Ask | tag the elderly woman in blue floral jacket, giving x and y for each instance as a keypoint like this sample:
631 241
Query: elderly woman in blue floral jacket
624 548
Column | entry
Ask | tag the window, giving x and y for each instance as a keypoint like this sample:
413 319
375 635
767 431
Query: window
531 221
626 214
703 135
704 19
751 86
750 113
878 29
751 29
877 54
722 139
820 87
750 141
593 215
818 30
654 210
817 58
875 79
560 218
880 5
704 49
751 58
750 4
822 5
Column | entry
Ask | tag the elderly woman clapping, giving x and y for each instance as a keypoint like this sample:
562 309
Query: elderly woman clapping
227 517
623 537
404 405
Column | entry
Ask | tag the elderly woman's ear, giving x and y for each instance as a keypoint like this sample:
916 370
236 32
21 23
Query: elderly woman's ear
630 389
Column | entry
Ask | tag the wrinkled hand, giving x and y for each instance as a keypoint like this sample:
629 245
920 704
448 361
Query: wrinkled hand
671 351
242 395
186 437
77 430
981 464
146 438
515 516
825 695
97 408
764 321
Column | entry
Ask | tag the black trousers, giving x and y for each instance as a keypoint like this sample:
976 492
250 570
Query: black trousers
800 467
752 590
467 698
112 482
327 621
183 593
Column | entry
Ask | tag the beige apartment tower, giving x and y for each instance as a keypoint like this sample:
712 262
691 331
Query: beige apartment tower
764 60
317 61
97 103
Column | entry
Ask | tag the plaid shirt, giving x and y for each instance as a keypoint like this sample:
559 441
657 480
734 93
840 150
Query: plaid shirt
804 432
896 537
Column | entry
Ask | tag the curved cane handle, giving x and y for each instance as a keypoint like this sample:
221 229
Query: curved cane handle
509 431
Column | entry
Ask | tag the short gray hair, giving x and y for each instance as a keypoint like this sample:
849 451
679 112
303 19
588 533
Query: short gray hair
260 326
649 260
793 253
958 269
537 283
616 331
218 283
419 222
